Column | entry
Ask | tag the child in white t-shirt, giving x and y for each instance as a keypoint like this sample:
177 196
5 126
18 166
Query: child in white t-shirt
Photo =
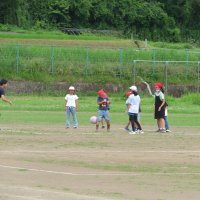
166 119
71 106
133 110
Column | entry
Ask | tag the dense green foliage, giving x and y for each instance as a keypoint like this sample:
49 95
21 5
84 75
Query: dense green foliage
152 19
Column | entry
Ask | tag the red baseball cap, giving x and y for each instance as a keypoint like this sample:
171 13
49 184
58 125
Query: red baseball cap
159 85
128 93
101 92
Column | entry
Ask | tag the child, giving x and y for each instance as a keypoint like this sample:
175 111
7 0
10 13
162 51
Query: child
133 110
3 86
159 107
166 107
165 118
71 106
126 128
103 119
103 112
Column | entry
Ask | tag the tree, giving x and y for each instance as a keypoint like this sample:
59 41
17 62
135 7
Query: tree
59 12
79 12
194 19
8 11
101 15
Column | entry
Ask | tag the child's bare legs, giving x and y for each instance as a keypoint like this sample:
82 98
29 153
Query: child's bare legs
161 124
108 125
102 124
97 126
128 124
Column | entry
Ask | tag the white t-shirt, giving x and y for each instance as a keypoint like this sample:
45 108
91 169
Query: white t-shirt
160 94
134 102
71 100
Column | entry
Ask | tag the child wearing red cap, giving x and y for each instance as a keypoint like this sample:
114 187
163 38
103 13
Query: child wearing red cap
103 112
126 128
102 121
159 107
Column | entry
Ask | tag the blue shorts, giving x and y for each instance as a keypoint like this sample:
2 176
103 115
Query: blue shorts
103 114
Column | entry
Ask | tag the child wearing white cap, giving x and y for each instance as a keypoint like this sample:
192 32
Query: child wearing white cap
133 110
71 106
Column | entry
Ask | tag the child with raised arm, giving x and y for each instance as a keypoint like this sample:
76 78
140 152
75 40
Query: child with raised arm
159 112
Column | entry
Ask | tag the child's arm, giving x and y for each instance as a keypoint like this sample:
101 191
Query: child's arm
163 103
76 102
148 87
4 98
65 105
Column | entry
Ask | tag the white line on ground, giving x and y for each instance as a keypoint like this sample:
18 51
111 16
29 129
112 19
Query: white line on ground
24 131
33 132
102 151
97 174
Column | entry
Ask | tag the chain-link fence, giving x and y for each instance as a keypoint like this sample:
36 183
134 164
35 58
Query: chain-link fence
178 72
171 65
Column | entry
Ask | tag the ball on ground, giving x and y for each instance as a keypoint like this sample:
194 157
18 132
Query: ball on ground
93 120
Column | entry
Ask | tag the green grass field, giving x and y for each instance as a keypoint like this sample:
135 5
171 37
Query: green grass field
39 158
33 109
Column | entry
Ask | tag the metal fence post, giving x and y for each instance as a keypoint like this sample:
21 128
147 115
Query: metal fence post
52 59
166 86
154 59
17 58
134 70
198 77
187 58
121 62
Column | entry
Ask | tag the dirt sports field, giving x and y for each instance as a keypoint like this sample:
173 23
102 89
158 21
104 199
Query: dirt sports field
40 162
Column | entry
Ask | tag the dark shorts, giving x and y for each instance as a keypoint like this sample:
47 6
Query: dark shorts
159 114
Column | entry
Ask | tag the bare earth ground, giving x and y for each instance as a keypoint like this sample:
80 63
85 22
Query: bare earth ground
116 43
52 163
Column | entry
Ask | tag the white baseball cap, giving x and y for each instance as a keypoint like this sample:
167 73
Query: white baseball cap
133 88
71 88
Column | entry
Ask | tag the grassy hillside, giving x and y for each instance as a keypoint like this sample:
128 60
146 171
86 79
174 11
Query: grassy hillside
55 56
16 35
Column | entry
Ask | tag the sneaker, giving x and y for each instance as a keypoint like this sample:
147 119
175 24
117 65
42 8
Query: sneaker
162 130
75 127
141 131
158 130
167 130
132 132
137 131
127 129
